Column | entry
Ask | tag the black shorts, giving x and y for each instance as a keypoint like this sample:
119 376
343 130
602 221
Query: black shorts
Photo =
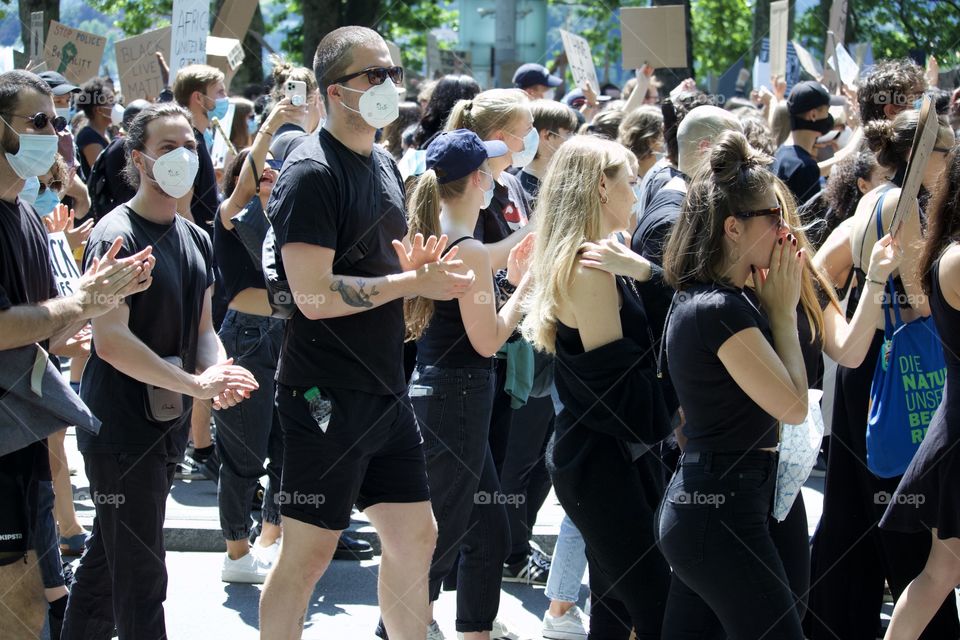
20 474
370 452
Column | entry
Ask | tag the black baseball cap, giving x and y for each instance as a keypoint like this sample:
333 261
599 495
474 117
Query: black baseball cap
57 83
807 95
456 154
531 73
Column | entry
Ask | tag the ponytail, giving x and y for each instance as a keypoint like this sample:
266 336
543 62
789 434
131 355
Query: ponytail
423 217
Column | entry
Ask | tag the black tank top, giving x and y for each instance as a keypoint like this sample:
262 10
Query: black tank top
237 270
444 342
633 323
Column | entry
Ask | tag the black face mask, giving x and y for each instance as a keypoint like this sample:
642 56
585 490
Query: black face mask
822 126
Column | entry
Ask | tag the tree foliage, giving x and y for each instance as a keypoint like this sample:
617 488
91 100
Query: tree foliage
721 34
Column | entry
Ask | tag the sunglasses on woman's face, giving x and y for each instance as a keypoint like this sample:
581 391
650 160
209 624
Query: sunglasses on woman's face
774 211
375 75
41 120
56 185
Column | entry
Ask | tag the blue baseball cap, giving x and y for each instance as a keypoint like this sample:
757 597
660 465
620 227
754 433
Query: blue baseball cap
531 73
457 154
575 98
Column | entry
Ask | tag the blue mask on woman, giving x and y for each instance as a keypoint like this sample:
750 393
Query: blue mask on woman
46 202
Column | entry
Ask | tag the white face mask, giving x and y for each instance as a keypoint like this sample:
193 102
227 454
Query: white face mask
841 138
531 141
116 115
174 172
379 105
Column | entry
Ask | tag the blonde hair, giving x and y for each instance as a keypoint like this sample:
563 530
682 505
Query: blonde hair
423 216
195 77
284 71
489 111
567 214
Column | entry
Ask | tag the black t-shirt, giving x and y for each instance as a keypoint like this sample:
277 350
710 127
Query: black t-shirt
86 137
206 196
658 179
331 197
799 170
115 161
531 186
720 416
508 211
235 267
165 317
653 228
287 137
25 273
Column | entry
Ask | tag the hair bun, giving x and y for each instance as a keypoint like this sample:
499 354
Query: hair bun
731 154
879 134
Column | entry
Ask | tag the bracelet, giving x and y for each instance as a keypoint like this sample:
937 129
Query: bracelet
875 281
265 132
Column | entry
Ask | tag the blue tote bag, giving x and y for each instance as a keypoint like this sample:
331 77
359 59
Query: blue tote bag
907 386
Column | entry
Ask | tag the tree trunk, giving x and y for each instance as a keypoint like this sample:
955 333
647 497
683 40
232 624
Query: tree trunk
320 17
51 11
251 71
672 77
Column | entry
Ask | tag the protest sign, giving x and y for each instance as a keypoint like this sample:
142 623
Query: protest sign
75 54
810 64
233 19
779 14
225 54
191 26
654 35
580 60
849 71
395 56
433 55
62 264
137 64
36 35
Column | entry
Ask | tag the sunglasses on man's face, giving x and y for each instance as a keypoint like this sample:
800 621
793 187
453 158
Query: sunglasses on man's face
41 120
375 75
774 211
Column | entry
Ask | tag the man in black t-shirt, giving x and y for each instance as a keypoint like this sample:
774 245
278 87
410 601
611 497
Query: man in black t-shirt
809 107
350 435
30 313
140 374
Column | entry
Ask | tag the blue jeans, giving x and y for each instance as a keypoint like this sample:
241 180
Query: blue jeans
569 563
453 408
714 532
249 433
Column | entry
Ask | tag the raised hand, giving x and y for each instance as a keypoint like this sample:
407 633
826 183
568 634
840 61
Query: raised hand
423 252
518 262
441 280
779 288
884 259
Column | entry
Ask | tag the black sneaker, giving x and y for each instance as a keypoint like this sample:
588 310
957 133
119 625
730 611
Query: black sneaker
352 549
533 570
189 470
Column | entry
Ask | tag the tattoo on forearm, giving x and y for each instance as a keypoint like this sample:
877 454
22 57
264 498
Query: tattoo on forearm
354 296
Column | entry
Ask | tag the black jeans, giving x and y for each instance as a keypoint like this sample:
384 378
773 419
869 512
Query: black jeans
525 471
613 503
453 409
714 532
122 578
250 432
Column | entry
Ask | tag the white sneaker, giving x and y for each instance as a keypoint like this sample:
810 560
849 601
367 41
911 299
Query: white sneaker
267 554
249 569
433 631
569 626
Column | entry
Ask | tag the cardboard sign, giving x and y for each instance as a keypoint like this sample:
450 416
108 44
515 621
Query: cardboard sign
36 35
395 54
761 66
810 64
924 141
580 60
137 64
220 146
225 54
188 42
848 69
779 15
233 19
62 264
838 21
75 54
654 35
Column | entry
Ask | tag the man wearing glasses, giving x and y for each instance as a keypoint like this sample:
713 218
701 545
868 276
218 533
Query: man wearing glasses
350 435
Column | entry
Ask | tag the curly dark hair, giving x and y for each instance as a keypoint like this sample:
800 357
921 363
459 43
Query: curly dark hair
842 193
889 82
446 93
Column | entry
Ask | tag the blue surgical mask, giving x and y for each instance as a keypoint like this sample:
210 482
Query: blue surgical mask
30 190
219 110
46 202
252 126
531 141
36 155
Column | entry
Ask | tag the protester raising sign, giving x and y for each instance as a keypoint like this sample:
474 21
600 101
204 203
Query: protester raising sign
75 54
580 60
654 35
62 264
137 64
191 26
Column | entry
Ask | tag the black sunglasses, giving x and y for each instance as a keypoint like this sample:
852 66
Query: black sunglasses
775 211
376 75
56 185
41 120
274 164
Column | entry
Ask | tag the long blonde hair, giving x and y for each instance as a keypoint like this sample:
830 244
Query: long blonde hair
567 214
423 216
488 111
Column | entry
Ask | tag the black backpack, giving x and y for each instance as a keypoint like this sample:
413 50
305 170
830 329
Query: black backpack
102 197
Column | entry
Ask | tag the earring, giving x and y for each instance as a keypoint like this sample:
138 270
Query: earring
603 199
